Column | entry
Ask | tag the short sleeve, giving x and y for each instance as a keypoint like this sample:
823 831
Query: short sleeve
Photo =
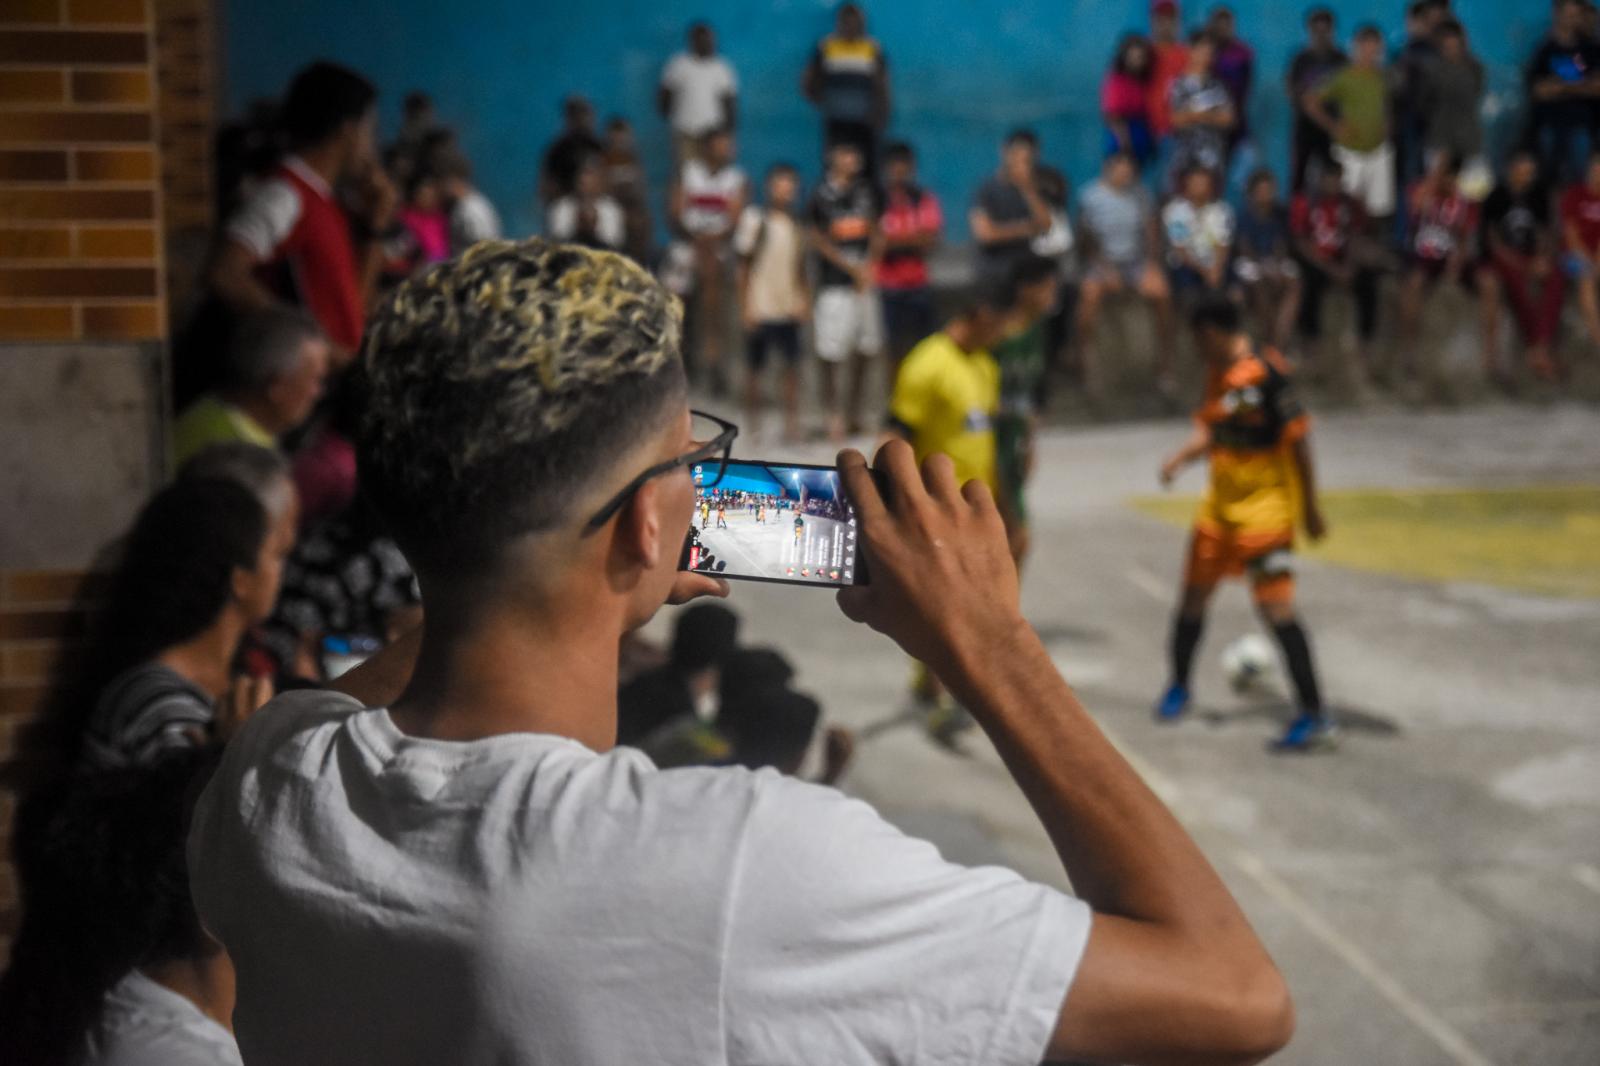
913 399
609 225
1283 399
747 230
816 213
672 74
852 942
264 220
730 78
930 217
562 222
1172 223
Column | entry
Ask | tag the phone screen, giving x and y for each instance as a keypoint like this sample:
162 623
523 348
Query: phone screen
783 522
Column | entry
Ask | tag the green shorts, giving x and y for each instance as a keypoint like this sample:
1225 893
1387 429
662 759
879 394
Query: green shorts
1011 447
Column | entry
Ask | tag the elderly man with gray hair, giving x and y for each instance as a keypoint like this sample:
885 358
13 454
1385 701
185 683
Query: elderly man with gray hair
270 379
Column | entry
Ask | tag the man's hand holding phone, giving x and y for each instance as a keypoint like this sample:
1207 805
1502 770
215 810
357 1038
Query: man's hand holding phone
944 586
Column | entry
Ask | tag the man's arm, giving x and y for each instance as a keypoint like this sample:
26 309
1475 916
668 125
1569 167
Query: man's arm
1172 972
231 275
811 78
1195 448
1315 106
830 251
663 100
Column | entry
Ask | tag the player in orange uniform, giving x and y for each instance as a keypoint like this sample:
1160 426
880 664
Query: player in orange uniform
1254 431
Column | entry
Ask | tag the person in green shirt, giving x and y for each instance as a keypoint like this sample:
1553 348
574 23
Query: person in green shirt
1033 286
1353 106
271 377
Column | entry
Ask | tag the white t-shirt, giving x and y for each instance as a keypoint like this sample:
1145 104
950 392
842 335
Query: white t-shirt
698 86
147 1024
269 215
609 224
771 241
472 219
709 196
1205 232
521 899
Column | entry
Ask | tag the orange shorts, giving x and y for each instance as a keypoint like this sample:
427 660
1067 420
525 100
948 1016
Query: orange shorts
1216 553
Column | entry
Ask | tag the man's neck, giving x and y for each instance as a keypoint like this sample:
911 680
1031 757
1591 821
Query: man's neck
206 982
961 335
326 160
258 411
489 666
207 658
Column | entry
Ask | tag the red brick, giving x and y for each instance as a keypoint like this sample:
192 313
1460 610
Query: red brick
15 12
21 699
77 205
116 242
124 322
39 322
106 12
114 164
26 624
33 166
34 587
32 87
37 242
76 282
34 47
75 127
125 87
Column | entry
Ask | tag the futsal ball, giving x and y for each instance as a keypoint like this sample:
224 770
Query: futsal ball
1247 661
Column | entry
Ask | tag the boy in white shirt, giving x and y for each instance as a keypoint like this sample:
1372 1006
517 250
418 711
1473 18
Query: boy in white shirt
698 92
1199 230
774 298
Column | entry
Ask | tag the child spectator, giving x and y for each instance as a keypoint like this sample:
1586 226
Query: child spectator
1353 107
1203 118
269 380
848 327
1125 100
565 156
1327 224
1521 266
704 203
1170 59
1313 65
704 635
628 186
110 965
1441 225
1199 232
1264 268
426 222
1580 226
1563 85
472 217
587 215
774 297
911 223
1118 223
698 92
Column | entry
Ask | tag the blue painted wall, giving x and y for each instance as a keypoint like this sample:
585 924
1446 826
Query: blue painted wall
963 71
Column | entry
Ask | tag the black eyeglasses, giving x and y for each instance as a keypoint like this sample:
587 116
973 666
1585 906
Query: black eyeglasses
709 460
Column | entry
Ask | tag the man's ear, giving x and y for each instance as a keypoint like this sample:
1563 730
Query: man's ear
639 528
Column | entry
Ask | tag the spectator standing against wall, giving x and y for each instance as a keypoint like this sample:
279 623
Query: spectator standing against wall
1170 58
1121 236
848 81
847 327
698 92
1521 267
271 378
1353 106
293 241
1313 65
1407 73
1009 212
774 295
1563 85
1450 99
586 215
572 147
703 206
1580 225
1329 227
1125 100
1234 66
472 217
912 222
1441 226
1203 117
628 186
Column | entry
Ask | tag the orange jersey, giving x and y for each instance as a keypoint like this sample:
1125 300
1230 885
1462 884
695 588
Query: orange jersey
1254 416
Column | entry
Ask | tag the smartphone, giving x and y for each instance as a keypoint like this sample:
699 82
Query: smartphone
787 523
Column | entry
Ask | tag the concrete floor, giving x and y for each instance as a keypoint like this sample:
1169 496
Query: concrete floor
1431 890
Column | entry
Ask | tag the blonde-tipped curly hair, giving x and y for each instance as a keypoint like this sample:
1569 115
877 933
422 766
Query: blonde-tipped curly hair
496 383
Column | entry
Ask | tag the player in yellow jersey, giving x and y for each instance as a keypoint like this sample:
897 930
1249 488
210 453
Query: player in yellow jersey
1255 433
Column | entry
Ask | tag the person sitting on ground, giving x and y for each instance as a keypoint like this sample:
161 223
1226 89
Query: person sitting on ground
200 567
704 636
587 215
1521 266
1199 232
1580 230
774 295
1328 226
110 966
270 379
1265 273
1442 223
1119 224
453 817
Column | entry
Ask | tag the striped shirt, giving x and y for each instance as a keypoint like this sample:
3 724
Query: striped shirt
145 712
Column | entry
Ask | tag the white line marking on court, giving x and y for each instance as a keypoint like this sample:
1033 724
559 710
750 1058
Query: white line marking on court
1147 582
1451 1042
1587 876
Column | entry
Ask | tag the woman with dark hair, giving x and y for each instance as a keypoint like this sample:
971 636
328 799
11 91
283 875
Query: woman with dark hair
200 567
110 966
1124 99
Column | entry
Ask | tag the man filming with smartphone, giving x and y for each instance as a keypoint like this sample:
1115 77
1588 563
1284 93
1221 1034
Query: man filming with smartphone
446 858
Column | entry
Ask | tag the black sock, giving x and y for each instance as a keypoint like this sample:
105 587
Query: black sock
1297 653
1185 638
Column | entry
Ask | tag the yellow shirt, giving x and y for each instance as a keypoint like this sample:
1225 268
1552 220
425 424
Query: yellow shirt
948 398
210 420
1254 417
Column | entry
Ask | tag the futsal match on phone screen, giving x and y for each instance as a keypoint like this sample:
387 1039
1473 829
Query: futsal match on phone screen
774 523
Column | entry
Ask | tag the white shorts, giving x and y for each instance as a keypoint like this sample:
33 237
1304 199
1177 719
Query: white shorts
1369 177
847 320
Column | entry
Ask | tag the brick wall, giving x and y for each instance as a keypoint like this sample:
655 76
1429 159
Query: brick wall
80 215
82 317
185 77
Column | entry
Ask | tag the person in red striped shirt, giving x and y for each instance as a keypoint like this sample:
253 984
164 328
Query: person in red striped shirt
910 223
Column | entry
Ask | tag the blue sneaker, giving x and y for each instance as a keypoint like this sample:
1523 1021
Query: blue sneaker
1309 732
1174 705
